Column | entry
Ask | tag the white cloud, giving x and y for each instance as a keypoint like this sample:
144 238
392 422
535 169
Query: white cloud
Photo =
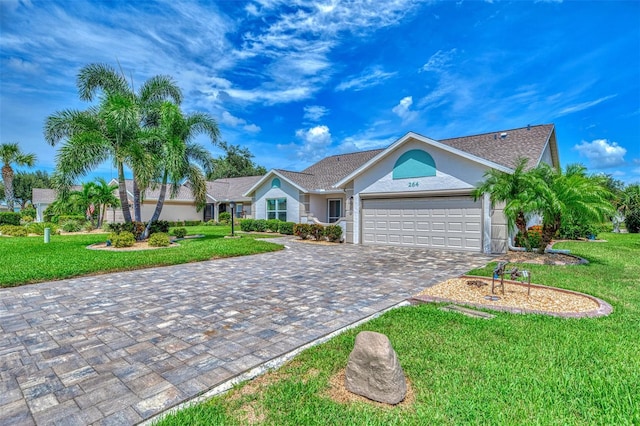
601 153
439 61
233 121
584 105
403 109
315 143
252 128
314 112
368 78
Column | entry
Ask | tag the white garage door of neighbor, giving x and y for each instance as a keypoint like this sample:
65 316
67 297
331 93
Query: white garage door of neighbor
452 223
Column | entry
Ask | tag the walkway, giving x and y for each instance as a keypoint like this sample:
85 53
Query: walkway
120 348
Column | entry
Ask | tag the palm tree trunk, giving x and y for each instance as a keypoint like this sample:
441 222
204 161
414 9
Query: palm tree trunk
136 201
159 205
122 192
7 178
548 232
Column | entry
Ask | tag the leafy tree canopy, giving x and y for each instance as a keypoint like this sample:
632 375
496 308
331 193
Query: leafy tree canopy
236 162
24 182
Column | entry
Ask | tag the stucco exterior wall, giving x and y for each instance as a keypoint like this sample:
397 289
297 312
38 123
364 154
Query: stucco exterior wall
452 173
499 230
286 190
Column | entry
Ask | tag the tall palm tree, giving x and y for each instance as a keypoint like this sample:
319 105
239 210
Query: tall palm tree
556 193
109 131
10 153
513 190
178 157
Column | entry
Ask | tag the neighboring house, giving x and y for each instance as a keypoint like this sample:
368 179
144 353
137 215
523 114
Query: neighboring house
221 192
416 192
41 198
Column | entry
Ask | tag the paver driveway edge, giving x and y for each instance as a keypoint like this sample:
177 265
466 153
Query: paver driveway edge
265 368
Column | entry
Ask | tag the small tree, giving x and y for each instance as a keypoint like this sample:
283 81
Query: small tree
10 154
629 207
555 193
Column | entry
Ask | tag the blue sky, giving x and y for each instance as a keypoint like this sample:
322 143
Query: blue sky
295 81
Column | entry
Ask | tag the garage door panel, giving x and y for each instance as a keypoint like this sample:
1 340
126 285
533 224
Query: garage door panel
455 227
453 223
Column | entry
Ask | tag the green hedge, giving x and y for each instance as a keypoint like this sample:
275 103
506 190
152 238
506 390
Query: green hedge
13 230
160 239
9 218
263 225
332 233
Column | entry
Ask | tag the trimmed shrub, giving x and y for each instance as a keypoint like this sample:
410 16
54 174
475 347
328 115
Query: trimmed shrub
286 228
534 240
632 221
13 230
225 217
160 239
179 232
159 226
333 233
71 226
9 218
192 222
26 218
136 228
211 222
272 225
302 230
317 231
123 239
247 225
88 227
260 225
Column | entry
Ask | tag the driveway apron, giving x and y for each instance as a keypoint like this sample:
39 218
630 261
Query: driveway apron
120 348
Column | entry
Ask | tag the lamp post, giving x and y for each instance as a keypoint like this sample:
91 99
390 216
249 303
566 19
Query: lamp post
233 211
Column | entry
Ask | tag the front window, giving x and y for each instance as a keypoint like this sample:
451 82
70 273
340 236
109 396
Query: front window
277 209
335 210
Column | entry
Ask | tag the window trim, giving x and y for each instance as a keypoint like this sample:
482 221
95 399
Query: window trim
329 200
278 210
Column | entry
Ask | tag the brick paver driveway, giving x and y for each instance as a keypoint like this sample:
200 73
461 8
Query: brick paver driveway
120 348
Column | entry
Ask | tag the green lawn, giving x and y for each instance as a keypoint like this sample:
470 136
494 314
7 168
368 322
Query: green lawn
28 260
511 370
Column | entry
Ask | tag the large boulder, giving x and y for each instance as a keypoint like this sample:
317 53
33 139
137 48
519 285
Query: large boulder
373 370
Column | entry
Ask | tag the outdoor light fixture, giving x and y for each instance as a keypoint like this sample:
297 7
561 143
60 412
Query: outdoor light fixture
233 211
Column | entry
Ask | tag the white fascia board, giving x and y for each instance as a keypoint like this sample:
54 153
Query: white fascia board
554 150
326 191
425 140
272 172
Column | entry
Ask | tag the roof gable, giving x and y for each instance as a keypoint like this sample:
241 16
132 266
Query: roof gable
498 150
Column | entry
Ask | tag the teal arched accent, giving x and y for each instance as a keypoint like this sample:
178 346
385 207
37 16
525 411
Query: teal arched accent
275 183
414 164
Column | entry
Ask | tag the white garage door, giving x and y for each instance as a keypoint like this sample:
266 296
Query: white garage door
451 223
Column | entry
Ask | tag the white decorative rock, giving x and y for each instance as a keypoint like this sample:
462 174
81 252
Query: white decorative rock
373 370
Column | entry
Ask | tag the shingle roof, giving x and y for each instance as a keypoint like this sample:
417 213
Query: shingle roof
48 196
184 193
507 146
326 172
44 196
231 188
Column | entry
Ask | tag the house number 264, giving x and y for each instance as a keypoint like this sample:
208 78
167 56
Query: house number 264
413 184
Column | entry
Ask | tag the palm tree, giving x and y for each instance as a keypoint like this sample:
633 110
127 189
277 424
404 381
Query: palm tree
556 193
178 157
103 197
10 153
513 190
109 131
